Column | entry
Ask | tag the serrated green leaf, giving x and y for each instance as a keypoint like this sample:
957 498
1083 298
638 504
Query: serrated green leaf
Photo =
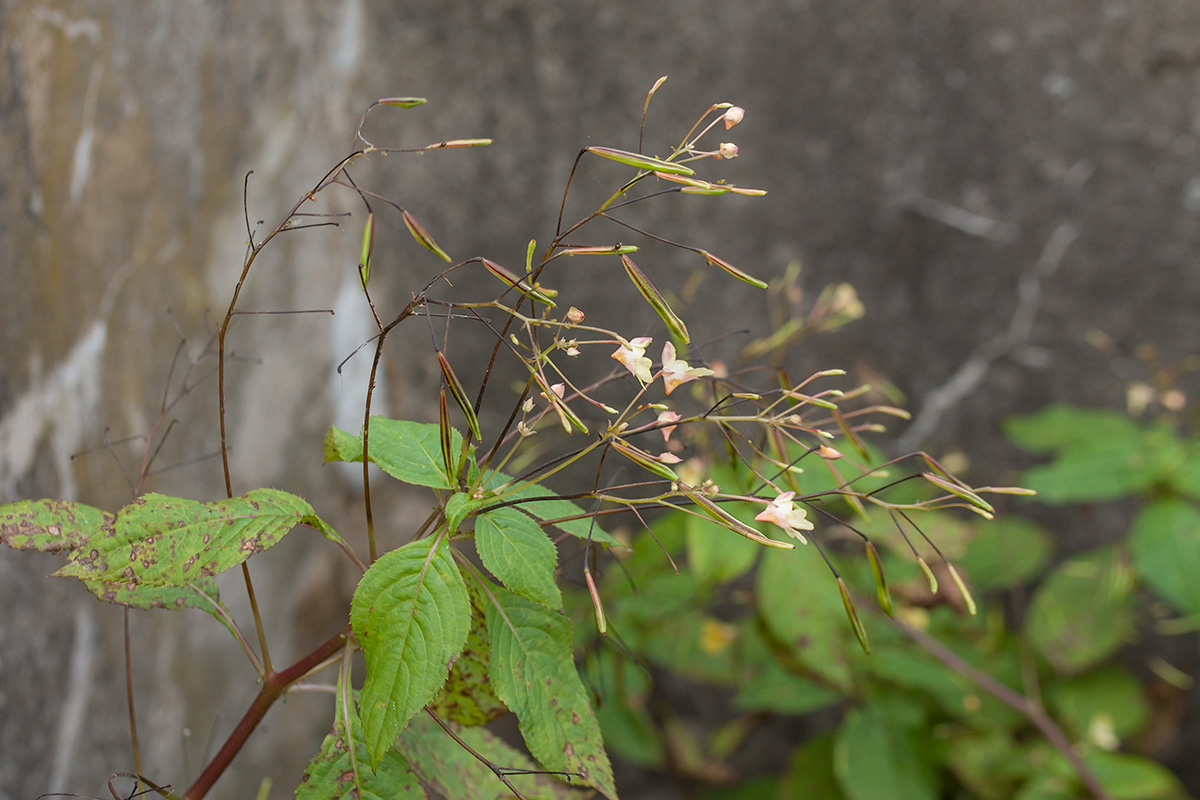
411 616
342 446
551 507
459 506
516 550
171 541
1165 542
331 773
1081 612
51 526
801 604
454 773
467 697
408 451
533 672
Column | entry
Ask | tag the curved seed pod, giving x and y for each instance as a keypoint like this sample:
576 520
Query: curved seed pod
368 246
640 161
422 236
732 270
859 631
460 397
519 284
881 588
962 589
655 299
402 102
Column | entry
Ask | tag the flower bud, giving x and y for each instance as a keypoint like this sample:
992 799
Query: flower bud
733 116
727 150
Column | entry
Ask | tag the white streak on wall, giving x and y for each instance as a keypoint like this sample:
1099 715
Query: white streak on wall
59 405
353 325
78 690
81 163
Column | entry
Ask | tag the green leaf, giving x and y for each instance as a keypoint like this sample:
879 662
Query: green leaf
800 601
1057 427
716 555
1106 470
516 550
1082 613
533 672
641 162
172 541
342 446
1107 702
876 755
411 615
623 692
408 451
459 506
1165 542
51 526
1005 553
1130 777
809 772
454 773
550 508
335 772
467 697
773 688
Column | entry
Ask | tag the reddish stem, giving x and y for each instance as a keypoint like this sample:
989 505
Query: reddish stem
273 687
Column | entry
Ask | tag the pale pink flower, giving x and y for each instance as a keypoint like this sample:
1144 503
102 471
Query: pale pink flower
828 453
733 116
633 356
669 458
783 513
676 371
667 416
574 315
727 150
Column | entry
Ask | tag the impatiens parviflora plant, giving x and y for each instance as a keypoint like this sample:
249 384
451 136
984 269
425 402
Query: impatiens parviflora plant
451 642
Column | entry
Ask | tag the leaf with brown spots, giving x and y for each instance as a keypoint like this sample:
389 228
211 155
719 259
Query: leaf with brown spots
533 672
467 697
171 541
51 526
335 773
202 594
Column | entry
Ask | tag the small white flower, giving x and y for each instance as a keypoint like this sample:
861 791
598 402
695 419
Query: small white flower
676 371
727 150
783 513
633 356
733 116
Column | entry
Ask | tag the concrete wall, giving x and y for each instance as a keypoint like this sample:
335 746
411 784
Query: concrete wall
937 155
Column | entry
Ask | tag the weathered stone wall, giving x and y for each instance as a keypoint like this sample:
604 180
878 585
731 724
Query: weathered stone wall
937 155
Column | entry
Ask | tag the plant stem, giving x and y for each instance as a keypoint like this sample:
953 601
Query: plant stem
1024 706
273 687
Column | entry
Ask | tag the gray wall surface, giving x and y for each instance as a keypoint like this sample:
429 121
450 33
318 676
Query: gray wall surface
1007 185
